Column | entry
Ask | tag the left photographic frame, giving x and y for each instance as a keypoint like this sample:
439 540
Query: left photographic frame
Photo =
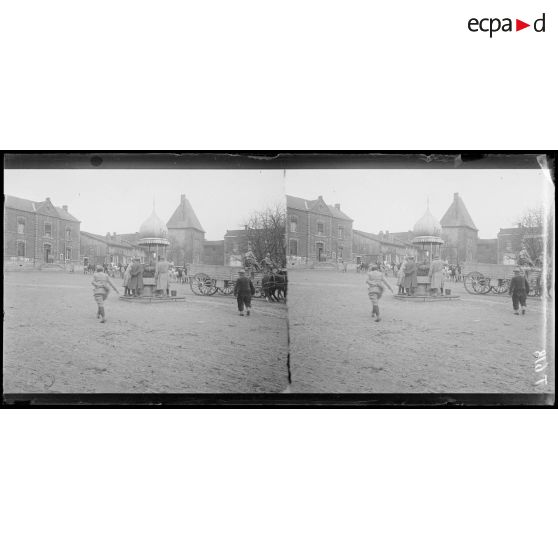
143 278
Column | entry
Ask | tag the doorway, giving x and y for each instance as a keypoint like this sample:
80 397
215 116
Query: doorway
320 251
48 250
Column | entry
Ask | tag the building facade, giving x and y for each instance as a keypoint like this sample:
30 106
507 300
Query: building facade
459 233
186 235
510 242
317 231
214 252
487 250
109 249
37 233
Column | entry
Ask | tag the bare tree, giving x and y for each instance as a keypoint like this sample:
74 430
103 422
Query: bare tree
265 231
531 228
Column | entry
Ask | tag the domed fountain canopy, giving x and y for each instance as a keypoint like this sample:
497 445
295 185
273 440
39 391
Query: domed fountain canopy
153 230
427 225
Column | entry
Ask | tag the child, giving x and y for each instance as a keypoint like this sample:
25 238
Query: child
100 290
243 290
519 289
376 282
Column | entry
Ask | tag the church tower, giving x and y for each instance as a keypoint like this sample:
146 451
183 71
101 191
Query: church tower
459 233
186 235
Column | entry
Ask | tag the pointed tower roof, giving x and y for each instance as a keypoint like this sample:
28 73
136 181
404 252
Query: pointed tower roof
153 227
184 217
457 215
427 225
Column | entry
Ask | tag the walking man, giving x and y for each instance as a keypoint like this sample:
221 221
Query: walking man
243 290
101 282
376 283
519 289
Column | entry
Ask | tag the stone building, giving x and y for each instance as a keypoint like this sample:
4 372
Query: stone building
97 249
459 233
511 240
366 247
317 231
213 252
38 233
186 235
487 250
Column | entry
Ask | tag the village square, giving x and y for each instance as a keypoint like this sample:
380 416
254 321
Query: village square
160 310
433 308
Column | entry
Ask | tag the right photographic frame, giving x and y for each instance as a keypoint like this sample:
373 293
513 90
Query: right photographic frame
417 278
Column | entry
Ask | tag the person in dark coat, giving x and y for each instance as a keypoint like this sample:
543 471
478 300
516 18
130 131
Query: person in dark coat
519 289
136 278
410 279
243 290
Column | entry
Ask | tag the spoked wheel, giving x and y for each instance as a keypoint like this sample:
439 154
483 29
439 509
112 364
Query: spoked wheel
203 285
501 287
476 283
228 289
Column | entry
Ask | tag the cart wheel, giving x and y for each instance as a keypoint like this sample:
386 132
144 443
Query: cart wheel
502 287
476 283
228 289
203 285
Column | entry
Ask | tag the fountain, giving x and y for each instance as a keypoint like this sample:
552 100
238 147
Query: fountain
153 238
428 244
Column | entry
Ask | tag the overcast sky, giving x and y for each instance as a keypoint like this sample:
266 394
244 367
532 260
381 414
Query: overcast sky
120 200
394 200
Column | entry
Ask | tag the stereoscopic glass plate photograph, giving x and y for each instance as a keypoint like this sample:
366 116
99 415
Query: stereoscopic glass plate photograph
288 276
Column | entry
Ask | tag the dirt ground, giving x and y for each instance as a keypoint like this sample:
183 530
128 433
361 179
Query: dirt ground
53 342
471 345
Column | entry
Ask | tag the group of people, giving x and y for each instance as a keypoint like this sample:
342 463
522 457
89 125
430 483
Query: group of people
132 280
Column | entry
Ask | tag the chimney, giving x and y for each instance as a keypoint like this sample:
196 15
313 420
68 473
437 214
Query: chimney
455 195
320 198
65 208
48 199
338 206
182 198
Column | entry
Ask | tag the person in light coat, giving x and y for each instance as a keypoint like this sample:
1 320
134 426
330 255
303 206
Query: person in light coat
126 280
162 275
436 275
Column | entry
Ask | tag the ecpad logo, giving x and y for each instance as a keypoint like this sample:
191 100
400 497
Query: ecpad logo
493 25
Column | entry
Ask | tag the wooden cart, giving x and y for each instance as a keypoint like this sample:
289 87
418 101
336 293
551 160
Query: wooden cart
495 278
207 280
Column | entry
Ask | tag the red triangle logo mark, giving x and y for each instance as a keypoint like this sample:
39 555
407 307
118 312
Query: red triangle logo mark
519 25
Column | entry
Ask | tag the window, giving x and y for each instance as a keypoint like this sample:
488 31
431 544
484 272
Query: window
68 253
21 248
68 233
293 247
48 229
340 251
320 228
340 233
21 225
294 223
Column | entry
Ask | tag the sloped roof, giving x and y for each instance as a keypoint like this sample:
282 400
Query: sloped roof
21 204
184 217
457 215
235 232
101 238
301 204
371 236
297 203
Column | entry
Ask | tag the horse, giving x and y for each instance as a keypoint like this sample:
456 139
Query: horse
274 286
